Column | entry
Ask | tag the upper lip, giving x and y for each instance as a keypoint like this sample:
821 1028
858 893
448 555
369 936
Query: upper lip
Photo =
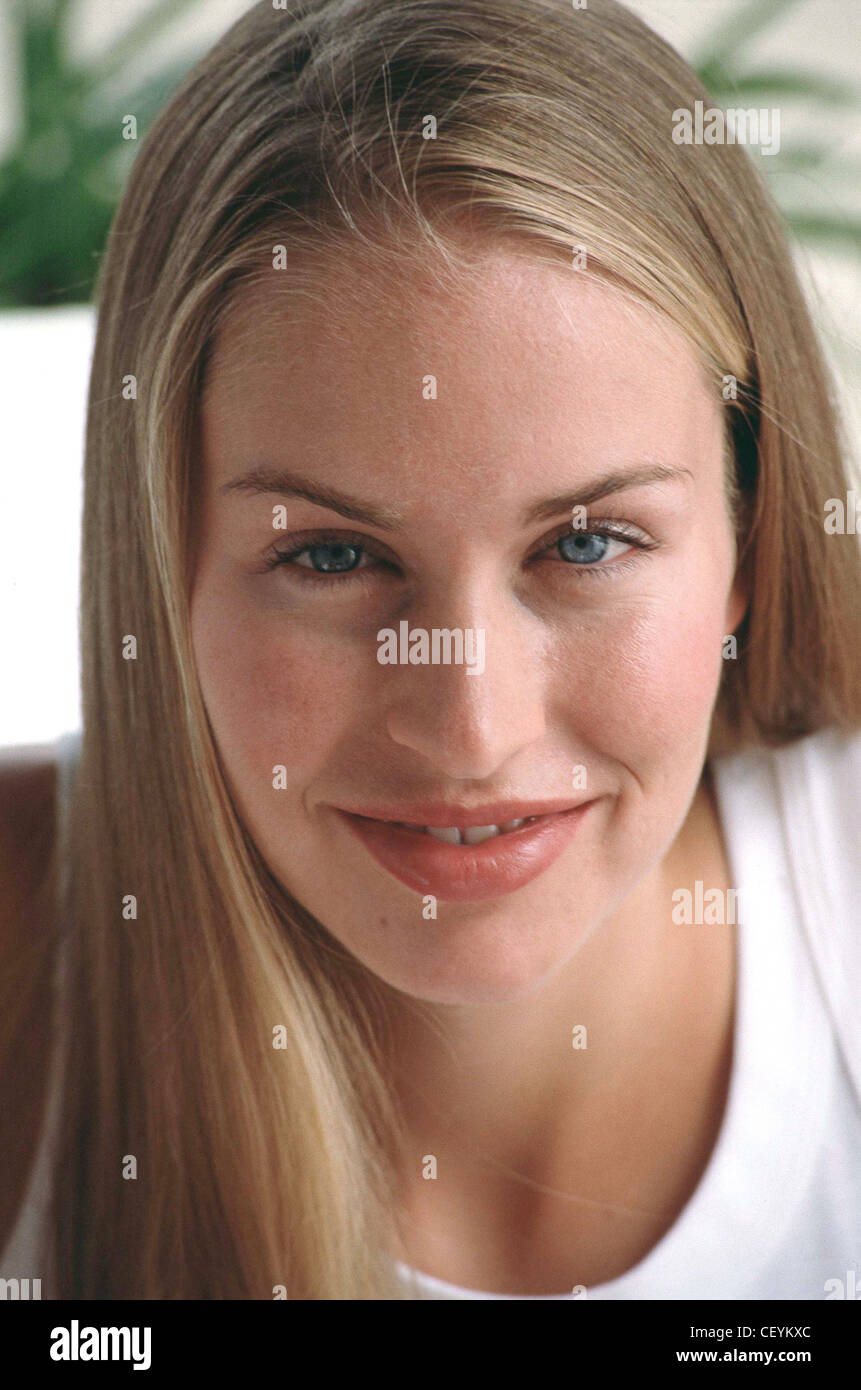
448 813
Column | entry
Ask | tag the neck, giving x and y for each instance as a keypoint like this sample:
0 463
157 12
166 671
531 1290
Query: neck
507 1086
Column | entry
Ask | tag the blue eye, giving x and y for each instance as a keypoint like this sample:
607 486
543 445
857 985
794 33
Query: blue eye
583 550
583 547
330 557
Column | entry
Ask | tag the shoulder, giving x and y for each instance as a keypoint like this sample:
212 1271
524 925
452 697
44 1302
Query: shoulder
27 778
819 788
28 786
820 772
28 783
813 787
819 783
811 790
831 751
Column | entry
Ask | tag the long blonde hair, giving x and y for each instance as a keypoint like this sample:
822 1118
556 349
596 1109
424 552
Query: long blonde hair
259 1168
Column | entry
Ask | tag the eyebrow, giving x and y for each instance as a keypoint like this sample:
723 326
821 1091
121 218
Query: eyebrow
283 482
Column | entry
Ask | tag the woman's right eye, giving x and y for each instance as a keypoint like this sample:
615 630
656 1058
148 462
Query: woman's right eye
327 559
330 558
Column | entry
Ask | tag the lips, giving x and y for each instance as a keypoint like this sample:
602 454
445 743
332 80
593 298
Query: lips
466 872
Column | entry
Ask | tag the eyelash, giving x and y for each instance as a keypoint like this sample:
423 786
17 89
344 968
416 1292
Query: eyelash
610 530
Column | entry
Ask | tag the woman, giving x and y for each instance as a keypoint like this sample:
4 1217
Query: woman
458 452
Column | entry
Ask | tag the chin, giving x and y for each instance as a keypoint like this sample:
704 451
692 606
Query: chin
474 971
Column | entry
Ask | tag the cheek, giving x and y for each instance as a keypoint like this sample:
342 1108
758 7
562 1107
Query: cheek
645 683
274 691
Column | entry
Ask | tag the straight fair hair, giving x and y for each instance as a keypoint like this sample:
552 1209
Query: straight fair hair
261 1170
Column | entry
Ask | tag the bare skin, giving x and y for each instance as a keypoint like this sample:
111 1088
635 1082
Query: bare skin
546 381
556 1166
530 1217
605 1154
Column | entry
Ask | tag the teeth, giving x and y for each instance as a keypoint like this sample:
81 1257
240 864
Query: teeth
450 835
473 834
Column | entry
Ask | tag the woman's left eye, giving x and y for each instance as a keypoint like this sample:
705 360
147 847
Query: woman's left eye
586 550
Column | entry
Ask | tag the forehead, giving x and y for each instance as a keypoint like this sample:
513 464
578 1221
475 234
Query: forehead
519 361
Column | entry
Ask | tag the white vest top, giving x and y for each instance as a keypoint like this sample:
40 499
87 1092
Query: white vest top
777 1211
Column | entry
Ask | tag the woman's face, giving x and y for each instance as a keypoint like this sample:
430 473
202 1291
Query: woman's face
447 439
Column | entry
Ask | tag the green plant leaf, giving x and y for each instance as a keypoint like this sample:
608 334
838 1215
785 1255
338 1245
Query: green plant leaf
825 227
776 83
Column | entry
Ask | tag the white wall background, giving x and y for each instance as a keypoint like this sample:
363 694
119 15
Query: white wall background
45 354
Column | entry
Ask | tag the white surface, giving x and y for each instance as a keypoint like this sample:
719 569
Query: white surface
44 368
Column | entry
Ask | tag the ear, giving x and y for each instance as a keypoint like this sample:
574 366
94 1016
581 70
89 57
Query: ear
737 603
739 597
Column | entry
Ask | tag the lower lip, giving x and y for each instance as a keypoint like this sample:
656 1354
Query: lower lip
467 873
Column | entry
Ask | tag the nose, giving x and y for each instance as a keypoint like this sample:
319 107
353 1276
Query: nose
467 726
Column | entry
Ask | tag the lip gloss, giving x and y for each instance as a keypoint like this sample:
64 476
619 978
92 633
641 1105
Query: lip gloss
467 873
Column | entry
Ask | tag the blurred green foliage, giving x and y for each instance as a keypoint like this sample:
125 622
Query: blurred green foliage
723 66
60 182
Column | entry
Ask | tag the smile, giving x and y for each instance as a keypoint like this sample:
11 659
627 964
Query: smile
468 835
467 863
